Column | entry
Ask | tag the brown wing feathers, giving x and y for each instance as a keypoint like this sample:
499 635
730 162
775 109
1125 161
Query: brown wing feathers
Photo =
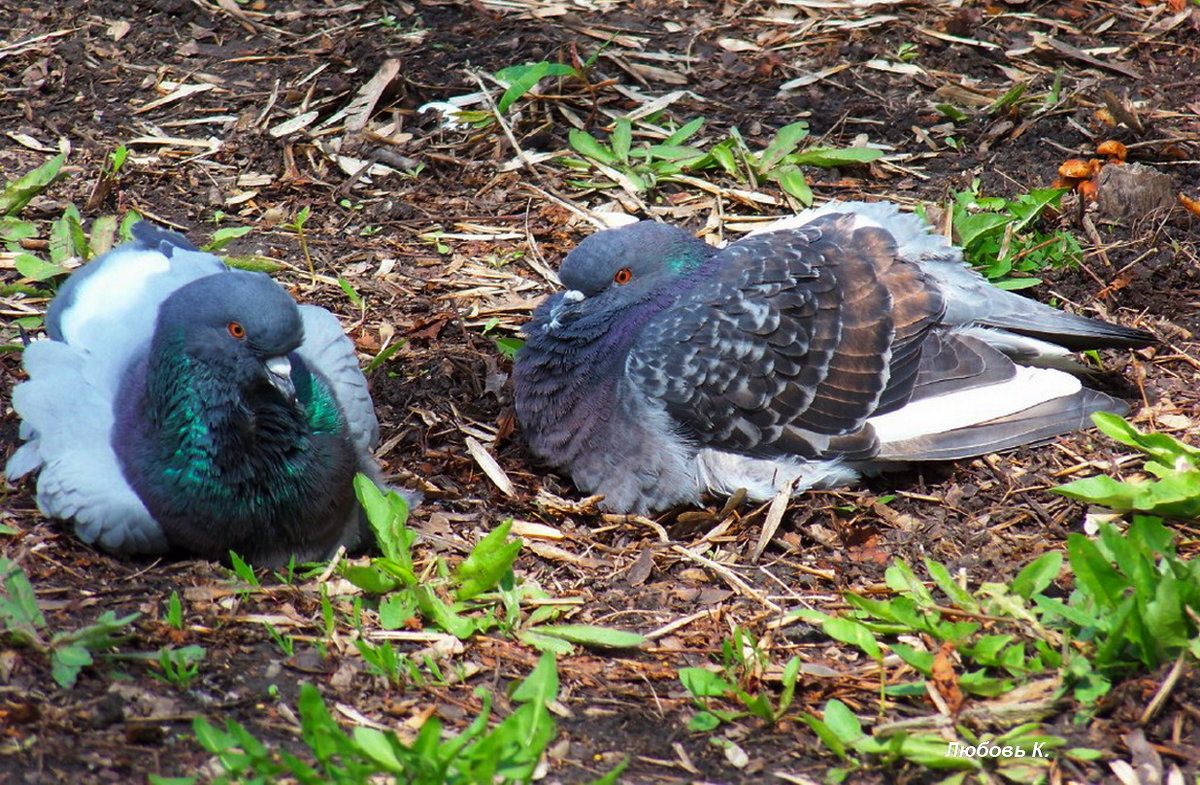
885 308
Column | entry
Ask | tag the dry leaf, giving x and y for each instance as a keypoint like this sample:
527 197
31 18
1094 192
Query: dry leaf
945 680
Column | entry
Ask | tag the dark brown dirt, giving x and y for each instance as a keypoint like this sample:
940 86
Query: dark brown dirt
79 74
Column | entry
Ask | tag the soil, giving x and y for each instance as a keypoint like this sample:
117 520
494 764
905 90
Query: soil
447 246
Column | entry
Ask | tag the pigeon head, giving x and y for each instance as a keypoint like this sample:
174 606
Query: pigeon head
635 257
240 321
615 269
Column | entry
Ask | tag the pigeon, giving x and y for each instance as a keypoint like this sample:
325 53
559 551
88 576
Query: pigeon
833 344
180 406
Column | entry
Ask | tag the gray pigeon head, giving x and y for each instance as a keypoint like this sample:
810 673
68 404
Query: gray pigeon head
237 310
241 321
638 257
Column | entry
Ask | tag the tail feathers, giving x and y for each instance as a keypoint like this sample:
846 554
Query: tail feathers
1076 333
1043 421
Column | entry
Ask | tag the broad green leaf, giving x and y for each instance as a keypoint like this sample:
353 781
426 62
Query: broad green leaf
125 230
791 180
921 661
350 293
673 152
594 637
66 662
585 144
826 734
395 610
116 159
387 514
791 671
433 608
371 579
541 685
1093 573
546 643
900 578
758 706
852 632
1056 607
1013 284
930 751
900 612
828 157
684 132
842 721
13 230
224 236
972 228
979 683
35 269
487 563
986 648
704 683
722 154
522 78
254 263
380 747
951 111
1085 754
957 594
210 738
1165 448
784 142
20 606
703 721
67 238
622 139
509 346
17 194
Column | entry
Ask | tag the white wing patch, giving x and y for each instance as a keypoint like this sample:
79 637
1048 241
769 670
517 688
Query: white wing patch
942 413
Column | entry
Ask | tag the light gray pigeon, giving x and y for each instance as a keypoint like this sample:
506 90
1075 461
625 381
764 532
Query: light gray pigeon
833 343
184 406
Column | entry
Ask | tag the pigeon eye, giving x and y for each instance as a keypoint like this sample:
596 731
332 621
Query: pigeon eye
623 276
236 330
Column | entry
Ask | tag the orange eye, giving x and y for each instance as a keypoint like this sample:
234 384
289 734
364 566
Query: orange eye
623 276
236 330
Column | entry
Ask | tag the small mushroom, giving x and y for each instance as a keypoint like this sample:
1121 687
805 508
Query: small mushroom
1115 151
1078 169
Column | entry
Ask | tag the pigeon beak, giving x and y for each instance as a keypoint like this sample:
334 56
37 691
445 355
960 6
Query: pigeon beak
569 298
279 374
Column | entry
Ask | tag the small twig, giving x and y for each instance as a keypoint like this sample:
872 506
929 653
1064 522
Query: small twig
504 126
1164 691
774 517
666 629
739 585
